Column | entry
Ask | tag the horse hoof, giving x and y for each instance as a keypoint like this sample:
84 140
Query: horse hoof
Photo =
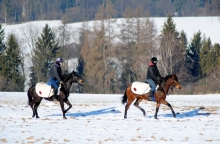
64 118
37 117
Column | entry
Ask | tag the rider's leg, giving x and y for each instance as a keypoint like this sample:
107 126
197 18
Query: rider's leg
55 85
153 87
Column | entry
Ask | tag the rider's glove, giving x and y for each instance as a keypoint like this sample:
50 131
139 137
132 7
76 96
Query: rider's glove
61 82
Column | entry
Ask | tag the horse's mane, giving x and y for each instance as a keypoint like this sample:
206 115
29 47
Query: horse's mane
170 76
66 77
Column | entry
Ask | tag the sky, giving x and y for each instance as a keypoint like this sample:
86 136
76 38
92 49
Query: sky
98 119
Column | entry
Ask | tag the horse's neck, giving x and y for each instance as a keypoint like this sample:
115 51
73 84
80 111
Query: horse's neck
68 86
166 87
68 83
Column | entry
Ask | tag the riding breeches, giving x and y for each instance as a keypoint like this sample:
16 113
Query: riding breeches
152 84
54 83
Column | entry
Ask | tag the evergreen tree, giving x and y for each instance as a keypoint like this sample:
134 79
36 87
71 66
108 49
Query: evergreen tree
207 57
170 50
12 62
192 56
183 72
2 46
46 51
216 48
183 42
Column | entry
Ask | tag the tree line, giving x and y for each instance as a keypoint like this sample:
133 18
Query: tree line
109 60
13 11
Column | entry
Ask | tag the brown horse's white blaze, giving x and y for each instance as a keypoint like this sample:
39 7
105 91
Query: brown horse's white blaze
160 95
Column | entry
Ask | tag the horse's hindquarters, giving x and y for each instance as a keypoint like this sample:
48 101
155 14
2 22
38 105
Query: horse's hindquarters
43 90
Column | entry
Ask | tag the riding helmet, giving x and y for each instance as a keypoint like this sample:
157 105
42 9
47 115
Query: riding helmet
59 60
154 60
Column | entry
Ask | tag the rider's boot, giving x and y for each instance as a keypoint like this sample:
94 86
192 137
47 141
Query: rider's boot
150 94
55 97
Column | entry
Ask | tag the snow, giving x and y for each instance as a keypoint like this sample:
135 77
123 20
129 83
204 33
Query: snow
190 25
98 118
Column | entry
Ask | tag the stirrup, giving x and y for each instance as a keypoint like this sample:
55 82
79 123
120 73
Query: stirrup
150 98
55 98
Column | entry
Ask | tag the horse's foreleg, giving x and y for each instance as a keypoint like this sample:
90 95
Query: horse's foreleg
157 109
62 108
69 104
136 104
167 104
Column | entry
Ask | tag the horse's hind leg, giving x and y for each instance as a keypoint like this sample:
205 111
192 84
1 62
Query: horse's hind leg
35 108
130 100
31 105
136 104
166 103
69 104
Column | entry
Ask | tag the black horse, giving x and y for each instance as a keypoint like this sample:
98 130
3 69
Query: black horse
34 99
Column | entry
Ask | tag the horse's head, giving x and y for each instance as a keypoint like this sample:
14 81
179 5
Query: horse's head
172 80
73 77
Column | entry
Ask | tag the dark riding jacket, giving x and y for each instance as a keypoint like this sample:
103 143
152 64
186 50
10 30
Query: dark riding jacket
56 72
153 73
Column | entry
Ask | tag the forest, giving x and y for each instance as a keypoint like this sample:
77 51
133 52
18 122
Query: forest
107 61
16 11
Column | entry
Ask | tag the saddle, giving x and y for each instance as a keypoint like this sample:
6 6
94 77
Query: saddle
140 88
44 90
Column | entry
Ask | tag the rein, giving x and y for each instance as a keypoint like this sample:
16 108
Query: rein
64 84
161 87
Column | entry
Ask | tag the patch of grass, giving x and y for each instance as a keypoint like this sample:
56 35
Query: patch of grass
65 140
133 139
163 139
3 140
30 138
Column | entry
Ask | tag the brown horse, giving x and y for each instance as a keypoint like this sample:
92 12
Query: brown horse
160 95
34 99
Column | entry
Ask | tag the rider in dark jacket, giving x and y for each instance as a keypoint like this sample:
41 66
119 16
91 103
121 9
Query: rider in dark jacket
56 75
153 76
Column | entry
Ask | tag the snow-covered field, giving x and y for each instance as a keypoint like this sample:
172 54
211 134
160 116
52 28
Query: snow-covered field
99 119
190 25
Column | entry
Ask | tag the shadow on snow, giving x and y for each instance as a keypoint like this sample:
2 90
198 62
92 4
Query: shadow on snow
96 112
188 114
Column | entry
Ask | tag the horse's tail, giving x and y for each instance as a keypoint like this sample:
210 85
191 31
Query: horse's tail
29 96
124 98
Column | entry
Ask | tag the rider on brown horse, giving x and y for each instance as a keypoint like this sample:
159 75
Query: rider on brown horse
153 77
56 75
